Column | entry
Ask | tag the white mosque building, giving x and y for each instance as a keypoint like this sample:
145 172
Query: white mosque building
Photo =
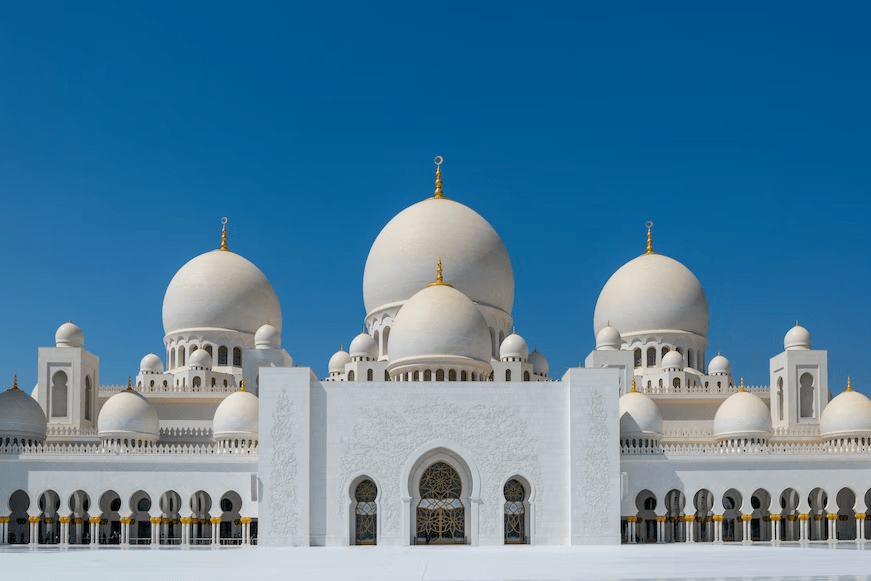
438 425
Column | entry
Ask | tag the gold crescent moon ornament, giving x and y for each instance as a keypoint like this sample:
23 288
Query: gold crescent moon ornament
224 220
439 160
649 224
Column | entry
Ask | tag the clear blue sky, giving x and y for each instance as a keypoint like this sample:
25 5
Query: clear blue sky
127 130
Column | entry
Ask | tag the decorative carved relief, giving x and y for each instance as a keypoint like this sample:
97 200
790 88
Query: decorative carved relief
595 490
283 502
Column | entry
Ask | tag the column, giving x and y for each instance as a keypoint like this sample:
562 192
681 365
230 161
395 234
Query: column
775 528
216 530
803 527
690 530
660 530
246 530
34 529
95 531
79 525
630 529
155 531
745 528
860 527
4 524
185 530
718 528
833 531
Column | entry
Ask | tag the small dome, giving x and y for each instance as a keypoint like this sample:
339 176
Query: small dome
539 363
364 347
151 363
128 415
69 335
436 324
514 347
200 358
719 365
237 417
608 338
338 361
267 337
672 360
797 338
742 415
639 416
848 415
21 416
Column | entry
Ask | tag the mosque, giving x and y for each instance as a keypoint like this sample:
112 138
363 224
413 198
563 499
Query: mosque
437 425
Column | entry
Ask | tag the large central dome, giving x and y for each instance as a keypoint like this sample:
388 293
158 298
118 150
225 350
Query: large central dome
220 290
401 259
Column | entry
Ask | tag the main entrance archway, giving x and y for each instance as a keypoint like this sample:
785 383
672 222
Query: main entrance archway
441 516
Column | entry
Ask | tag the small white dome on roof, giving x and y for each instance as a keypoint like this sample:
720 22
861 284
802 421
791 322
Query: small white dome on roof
151 363
237 417
672 360
21 416
364 347
69 335
338 361
539 363
848 415
514 347
797 338
608 338
200 358
128 415
267 337
742 415
639 416
719 365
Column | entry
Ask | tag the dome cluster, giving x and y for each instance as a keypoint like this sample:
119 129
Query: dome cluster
22 421
847 416
742 417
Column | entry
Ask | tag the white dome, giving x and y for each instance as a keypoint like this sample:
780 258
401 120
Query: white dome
21 416
338 361
363 346
436 323
848 415
220 290
639 416
151 363
200 358
401 260
797 338
719 365
652 293
237 417
514 347
742 415
69 335
539 363
267 337
608 338
672 360
128 415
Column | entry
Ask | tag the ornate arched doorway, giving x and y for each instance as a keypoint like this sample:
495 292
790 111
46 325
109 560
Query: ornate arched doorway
515 512
365 513
441 517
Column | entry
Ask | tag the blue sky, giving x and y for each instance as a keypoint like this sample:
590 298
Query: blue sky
742 130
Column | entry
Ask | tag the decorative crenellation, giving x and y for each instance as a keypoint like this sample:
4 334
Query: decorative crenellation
106 449
712 388
735 447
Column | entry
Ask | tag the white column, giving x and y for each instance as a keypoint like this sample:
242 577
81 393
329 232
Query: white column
775 528
185 531
630 528
3 525
690 532
860 526
803 527
80 524
34 529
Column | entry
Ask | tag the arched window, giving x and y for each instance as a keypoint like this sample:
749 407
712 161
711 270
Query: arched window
440 374
664 351
507 375
59 395
637 353
386 375
89 397
181 356
676 383
651 357
192 349
366 513
165 383
384 339
208 349
376 336
172 358
452 375
416 376
464 376
369 376
222 355
351 375
780 398
690 358
197 381
214 382
660 384
225 383
441 517
515 513
526 376
151 384
427 375
806 395
237 357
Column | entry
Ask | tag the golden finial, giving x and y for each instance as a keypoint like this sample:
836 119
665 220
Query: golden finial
848 384
440 281
224 233
438 183
634 390
129 384
649 238
741 387
242 384
15 383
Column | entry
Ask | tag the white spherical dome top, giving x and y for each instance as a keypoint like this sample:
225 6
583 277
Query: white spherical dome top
672 360
539 363
438 322
652 293
363 346
608 338
200 358
514 346
237 416
742 415
267 337
151 363
639 416
401 260
128 414
719 365
69 335
848 415
21 416
338 361
797 338
220 290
